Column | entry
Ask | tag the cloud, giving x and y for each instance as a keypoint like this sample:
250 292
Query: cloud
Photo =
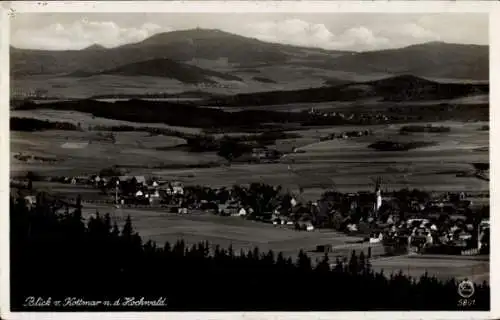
362 38
340 33
416 31
410 33
292 31
81 34
303 33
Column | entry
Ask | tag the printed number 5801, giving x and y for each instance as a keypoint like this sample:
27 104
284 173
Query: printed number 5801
466 302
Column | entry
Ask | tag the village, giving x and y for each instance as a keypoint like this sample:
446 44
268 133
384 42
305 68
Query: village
404 221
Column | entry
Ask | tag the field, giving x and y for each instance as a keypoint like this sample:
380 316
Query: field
161 226
347 165
86 119
284 77
92 151
339 163
358 106
473 268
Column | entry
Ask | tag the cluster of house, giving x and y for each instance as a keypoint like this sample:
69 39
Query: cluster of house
427 228
423 227
346 135
265 154
350 116
421 234
130 189
21 93
30 158
136 189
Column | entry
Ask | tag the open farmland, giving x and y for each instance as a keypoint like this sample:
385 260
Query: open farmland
375 104
165 164
161 226
86 119
241 234
81 88
283 77
70 191
443 267
88 152
344 162
340 162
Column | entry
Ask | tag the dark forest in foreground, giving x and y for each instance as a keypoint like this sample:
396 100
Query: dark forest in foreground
59 255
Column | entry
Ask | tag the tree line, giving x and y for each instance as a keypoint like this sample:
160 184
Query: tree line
30 124
60 254
190 114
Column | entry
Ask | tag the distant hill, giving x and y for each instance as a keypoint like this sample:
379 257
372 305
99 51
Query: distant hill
182 46
170 69
193 95
398 88
95 47
263 79
431 60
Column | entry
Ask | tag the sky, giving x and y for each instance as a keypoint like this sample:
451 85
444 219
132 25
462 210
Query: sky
335 31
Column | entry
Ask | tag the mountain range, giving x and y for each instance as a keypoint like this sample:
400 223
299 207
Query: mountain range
228 54
180 46
432 59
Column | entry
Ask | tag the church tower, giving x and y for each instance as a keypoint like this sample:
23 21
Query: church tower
378 195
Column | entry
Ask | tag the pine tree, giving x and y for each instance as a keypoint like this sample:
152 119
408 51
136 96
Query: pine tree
353 262
339 267
324 264
116 231
362 262
167 248
270 257
280 260
256 253
107 223
79 203
91 225
304 262
127 230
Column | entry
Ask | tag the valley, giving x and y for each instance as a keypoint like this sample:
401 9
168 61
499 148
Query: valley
195 107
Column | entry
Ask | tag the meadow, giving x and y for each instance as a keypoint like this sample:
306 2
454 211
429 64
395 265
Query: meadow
245 235
443 267
86 119
282 77
338 164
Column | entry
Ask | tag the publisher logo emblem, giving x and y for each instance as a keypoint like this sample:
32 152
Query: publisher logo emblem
466 289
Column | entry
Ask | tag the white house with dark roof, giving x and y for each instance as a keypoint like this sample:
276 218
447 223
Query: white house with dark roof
140 180
139 193
177 188
30 201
